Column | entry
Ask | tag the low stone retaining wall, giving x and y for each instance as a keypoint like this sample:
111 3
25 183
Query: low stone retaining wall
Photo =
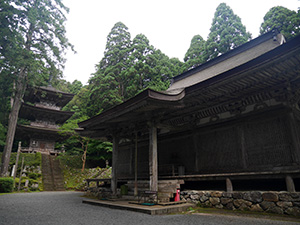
100 192
271 202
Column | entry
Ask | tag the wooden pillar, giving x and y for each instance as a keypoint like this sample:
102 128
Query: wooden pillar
153 164
135 165
241 135
114 165
131 164
229 187
196 151
290 184
295 138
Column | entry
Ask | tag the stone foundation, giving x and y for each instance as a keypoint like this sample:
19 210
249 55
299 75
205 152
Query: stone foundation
100 192
258 201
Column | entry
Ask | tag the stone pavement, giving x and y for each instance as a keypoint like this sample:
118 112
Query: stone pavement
134 206
66 208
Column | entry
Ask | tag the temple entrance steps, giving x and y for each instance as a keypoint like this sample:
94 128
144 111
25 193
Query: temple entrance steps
52 175
166 188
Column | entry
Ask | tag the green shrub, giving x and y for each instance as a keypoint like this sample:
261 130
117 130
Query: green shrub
73 161
6 184
29 159
34 176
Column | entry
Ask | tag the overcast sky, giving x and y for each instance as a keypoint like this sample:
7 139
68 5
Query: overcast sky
168 24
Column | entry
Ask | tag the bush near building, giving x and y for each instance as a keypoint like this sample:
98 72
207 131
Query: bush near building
6 184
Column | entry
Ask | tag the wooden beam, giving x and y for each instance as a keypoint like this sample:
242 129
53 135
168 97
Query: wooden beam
114 164
153 168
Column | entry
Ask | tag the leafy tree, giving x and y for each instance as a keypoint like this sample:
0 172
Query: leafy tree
226 33
68 130
75 87
195 55
127 68
88 148
6 85
108 86
164 69
66 86
141 59
286 20
150 68
99 151
31 50
79 103
117 45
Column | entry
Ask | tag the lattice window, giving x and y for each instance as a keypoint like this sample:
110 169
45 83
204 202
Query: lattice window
218 151
268 142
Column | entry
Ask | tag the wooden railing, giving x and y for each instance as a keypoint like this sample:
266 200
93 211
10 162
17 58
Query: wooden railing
34 150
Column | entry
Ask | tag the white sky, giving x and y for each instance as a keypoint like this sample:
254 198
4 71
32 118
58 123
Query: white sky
168 24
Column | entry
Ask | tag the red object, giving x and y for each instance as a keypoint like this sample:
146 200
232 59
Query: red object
177 196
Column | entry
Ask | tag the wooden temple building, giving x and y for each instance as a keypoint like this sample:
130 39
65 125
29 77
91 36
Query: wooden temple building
234 118
42 107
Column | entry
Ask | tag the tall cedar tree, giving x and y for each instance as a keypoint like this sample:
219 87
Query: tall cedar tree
108 85
127 68
165 68
31 48
195 55
150 68
226 33
142 62
286 20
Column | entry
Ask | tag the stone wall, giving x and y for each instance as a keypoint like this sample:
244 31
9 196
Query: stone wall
270 202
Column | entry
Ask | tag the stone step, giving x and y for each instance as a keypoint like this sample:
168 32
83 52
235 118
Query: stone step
52 175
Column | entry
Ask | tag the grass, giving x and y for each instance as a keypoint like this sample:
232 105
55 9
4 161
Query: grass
261 215
75 179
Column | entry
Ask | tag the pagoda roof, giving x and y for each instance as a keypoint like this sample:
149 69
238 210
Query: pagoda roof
35 112
27 131
262 78
37 94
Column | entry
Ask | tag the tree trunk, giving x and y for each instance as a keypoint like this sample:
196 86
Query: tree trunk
12 121
14 113
84 156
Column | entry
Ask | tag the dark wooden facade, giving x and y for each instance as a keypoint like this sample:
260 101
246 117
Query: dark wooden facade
241 123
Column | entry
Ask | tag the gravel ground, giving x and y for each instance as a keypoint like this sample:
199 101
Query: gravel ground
66 208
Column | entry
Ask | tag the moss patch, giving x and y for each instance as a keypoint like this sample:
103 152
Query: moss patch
262 215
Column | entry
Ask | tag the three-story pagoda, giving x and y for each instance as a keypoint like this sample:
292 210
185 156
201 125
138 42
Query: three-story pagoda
42 106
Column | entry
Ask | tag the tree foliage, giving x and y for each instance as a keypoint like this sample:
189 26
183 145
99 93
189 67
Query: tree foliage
127 68
108 86
2 135
90 150
195 55
31 50
226 33
286 20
